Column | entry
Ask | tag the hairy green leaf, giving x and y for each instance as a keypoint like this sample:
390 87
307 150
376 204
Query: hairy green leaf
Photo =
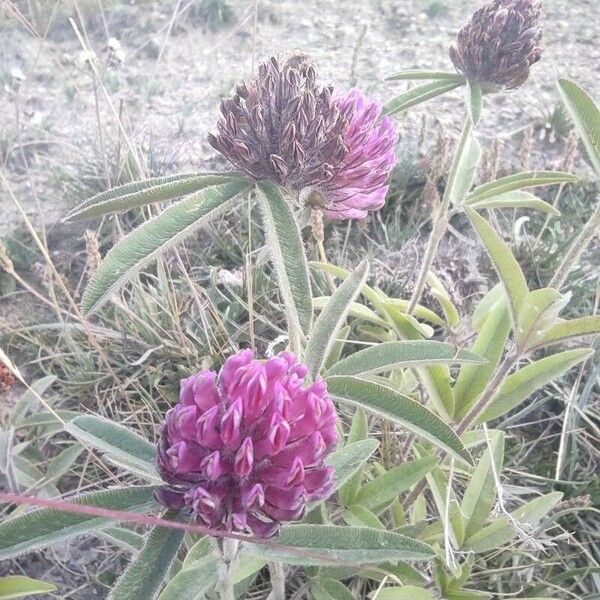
402 354
586 116
478 499
119 443
330 589
331 319
567 330
330 544
380 492
490 343
506 265
515 199
503 530
520 385
399 408
191 582
19 586
139 193
420 94
285 244
423 74
44 527
143 244
518 181
144 576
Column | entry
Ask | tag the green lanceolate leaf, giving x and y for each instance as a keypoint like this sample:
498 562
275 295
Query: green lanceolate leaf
503 530
406 592
516 199
330 589
538 313
144 576
143 244
44 527
568 330
520 385
423 74
349 459
461 178
402 354
139 193
420 94
192 582
380 492
479 497
518 181
359 431
474 101
355 310
505 263
439 292
331 319
399 408
19 586
285 244
490 343
124 446
330 544
586 116
357 515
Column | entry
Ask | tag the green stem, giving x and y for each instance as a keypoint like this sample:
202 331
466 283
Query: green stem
442 217
277 581
228 552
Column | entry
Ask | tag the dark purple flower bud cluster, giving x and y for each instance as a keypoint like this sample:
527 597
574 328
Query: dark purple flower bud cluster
284 127
244 449
500 43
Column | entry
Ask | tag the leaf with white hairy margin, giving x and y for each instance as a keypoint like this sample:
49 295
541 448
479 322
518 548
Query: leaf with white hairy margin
139 193
331 319
145 574
586 116
391 405
289 258
420 94
388 356
340 545
515 199
119 443
518 181
504 262
521 384
44 527
143 244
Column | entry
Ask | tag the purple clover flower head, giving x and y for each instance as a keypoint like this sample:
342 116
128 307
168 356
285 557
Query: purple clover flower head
500 43
360 180
244 449
284 127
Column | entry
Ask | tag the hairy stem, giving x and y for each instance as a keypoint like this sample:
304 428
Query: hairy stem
228 551
277 581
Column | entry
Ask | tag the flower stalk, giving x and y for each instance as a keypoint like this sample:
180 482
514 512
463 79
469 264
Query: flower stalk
442 217
229 552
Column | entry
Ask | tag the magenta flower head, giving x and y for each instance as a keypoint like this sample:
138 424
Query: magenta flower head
284 127
500 43
244 449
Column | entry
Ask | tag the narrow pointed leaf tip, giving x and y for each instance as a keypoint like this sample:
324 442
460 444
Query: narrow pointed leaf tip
387 403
